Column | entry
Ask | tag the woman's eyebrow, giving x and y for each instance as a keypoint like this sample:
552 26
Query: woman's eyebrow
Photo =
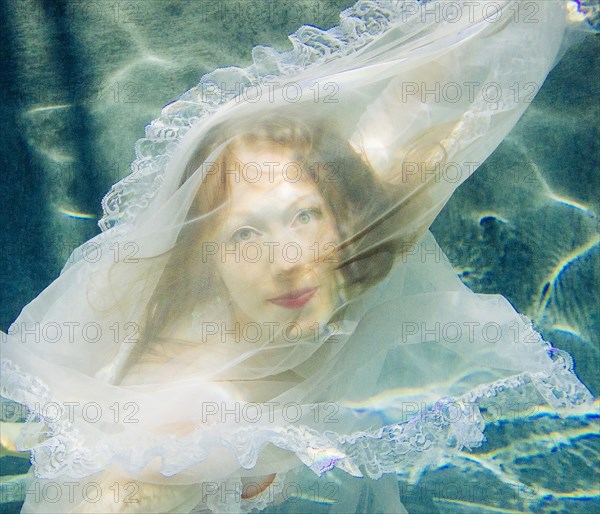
307 198
255 214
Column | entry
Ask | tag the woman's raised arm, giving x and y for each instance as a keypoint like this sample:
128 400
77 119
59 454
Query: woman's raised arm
455 97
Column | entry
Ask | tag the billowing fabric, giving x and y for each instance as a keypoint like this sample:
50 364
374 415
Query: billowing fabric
265 303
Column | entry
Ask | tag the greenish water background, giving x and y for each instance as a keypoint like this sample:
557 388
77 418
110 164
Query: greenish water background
81 79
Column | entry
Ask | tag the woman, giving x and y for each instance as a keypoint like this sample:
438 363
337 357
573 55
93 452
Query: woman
359 363
311 186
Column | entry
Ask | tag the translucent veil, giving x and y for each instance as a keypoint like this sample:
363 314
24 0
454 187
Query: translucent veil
152 364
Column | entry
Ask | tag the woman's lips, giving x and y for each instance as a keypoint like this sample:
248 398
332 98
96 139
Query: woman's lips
295 299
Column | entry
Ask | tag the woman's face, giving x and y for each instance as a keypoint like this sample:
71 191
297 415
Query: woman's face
277 246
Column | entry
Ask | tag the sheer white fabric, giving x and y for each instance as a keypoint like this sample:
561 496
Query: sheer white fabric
154 375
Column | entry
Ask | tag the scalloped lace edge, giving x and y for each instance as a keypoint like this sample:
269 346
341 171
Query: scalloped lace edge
395 448
359 25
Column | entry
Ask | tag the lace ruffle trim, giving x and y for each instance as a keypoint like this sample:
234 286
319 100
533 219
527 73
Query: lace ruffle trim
359 25
431 437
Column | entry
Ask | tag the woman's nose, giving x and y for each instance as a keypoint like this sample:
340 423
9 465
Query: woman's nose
291 256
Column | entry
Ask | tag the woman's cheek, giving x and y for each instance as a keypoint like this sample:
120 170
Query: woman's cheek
244 282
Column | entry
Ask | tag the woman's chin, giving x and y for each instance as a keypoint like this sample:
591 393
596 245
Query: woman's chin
308 324
291 324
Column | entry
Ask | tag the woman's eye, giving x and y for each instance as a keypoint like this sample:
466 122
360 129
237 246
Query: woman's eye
305 216
244 234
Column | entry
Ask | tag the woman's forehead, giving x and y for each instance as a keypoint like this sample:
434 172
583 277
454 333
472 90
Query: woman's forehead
263 155
275 184
264 166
